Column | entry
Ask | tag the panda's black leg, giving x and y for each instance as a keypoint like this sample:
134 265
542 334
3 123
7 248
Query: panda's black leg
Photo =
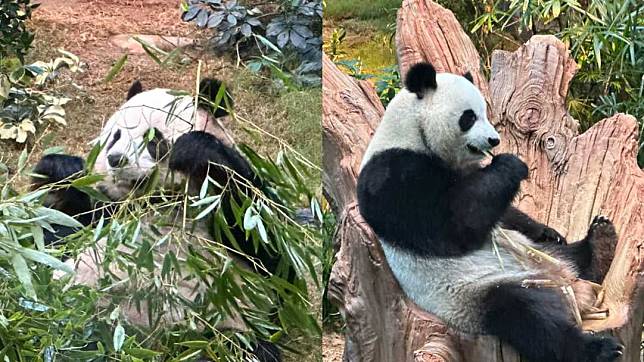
539 325
515 219
594 253
602 239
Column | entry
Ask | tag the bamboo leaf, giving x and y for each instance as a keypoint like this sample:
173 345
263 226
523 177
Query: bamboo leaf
24 275
39 238
22 160
119 337
87 180
45 259
56 217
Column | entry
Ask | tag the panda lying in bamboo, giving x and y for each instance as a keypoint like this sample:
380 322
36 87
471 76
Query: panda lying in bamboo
156 131
437 212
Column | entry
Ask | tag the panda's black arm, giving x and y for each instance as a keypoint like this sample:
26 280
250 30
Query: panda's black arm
515 219
479 200
56 168
59 169
198 153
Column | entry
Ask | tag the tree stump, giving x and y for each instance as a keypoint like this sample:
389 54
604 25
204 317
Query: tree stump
573 177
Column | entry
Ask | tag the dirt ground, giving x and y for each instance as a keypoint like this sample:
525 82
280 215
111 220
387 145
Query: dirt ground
332 346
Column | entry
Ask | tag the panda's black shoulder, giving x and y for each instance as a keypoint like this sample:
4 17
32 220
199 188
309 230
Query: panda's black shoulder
193 153
400 166
401 195
399 174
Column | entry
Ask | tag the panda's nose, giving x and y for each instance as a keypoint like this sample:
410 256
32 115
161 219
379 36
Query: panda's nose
117 160
493 141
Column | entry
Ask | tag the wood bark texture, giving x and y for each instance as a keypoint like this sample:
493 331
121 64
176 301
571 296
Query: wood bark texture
573 177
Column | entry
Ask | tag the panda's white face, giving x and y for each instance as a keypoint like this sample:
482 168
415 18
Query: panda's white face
454 121
129 161
440 113
137 139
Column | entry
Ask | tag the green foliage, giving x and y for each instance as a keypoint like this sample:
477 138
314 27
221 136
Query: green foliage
363 10
15 38
332 47
43 316
23 105
386 81
287 42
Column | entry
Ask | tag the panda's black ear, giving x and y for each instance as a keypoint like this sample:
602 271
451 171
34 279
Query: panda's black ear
469 77
135 89
420 77
208 90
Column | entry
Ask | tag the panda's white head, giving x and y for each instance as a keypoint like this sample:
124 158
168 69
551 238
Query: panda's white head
440 113
138 137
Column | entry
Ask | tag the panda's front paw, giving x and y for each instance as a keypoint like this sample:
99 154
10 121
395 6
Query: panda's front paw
511 164
602 348
550 235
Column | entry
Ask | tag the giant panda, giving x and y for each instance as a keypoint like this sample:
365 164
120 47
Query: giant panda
158 131
439 213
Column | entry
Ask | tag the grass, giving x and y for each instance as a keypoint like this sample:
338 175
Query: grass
294 117
377 12
369 27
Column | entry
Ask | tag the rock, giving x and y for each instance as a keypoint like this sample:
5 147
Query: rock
168 43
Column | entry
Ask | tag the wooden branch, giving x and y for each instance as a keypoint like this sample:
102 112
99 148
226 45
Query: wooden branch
425 31
572 178
352 110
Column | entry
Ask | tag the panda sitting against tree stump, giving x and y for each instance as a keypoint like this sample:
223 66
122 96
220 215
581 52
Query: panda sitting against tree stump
457 247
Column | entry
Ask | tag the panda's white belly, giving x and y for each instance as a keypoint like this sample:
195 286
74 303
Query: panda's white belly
452 288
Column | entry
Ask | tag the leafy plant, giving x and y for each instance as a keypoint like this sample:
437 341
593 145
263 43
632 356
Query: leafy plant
386 81
23 106
231 21
15 38
286 40
333 47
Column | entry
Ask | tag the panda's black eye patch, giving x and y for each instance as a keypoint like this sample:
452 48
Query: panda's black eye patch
158 146
115 138
467 120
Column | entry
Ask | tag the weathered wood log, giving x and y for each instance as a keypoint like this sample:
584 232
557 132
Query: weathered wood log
572 178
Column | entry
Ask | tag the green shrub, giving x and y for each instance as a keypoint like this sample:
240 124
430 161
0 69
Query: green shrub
15 38
287 42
